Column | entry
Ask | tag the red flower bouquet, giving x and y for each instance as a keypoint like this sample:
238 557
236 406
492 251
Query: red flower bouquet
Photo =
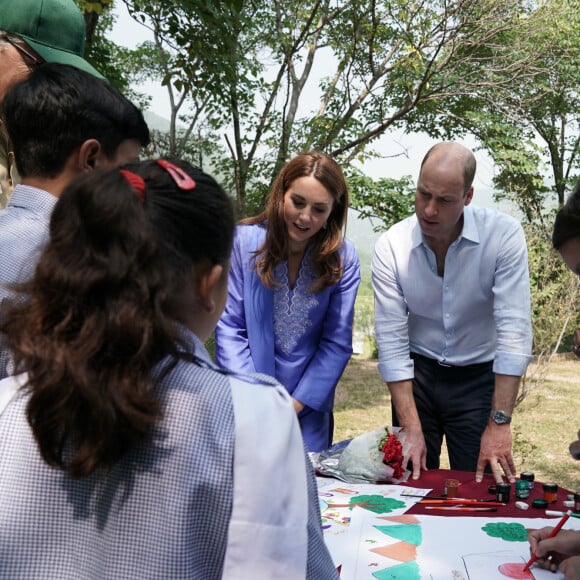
376 456
392 450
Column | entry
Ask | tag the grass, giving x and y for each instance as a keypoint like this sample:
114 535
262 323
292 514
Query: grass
543 426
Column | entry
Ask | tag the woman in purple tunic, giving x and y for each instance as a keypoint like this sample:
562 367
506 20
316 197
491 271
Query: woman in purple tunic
292 289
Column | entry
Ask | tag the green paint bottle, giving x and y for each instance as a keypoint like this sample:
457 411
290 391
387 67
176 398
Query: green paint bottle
522 489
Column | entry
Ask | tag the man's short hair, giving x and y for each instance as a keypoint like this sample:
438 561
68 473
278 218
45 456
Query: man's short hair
57 108
469 161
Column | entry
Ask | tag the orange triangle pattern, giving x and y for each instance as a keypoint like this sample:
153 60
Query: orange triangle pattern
401 551
404 519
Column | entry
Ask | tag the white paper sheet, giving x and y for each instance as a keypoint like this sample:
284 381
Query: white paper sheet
337 499
437 548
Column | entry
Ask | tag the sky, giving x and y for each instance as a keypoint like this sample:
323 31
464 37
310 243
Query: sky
128 32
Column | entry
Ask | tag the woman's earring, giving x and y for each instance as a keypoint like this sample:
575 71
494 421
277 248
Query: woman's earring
324 225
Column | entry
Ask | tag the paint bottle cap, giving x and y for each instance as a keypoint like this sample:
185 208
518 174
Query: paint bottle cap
522 505
568 503
540 503
503 492
552 487
527 476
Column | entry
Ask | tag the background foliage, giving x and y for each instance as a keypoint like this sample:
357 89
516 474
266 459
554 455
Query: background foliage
251 83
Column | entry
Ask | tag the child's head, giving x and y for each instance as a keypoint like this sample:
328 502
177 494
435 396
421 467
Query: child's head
131 252
60 109
150 227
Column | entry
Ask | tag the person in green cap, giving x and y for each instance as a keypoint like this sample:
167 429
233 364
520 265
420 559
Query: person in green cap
33 32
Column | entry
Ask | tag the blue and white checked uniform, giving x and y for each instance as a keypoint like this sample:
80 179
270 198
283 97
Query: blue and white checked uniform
23 233
163 510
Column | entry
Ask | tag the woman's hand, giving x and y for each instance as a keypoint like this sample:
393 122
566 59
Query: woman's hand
298 406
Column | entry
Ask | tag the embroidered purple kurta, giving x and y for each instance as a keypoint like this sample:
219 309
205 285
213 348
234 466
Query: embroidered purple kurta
302 339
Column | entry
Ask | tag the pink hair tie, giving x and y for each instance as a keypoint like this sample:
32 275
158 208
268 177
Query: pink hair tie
182 179
135 181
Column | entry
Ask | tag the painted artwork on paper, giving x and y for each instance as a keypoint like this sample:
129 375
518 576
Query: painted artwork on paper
411 547
338 499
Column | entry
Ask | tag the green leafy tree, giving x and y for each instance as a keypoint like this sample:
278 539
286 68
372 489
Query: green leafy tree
529 120
385 201
114 62
273 78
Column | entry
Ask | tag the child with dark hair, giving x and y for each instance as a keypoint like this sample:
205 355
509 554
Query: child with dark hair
562 552
126 453
63 122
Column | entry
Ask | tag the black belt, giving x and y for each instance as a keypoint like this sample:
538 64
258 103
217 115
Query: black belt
432 361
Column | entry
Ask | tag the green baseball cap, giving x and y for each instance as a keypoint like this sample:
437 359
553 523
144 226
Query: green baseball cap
55 29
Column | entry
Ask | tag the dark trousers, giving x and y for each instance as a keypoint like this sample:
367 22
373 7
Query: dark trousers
454 402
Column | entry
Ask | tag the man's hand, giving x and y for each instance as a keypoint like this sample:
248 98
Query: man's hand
414 448
496 441
415 451
496 449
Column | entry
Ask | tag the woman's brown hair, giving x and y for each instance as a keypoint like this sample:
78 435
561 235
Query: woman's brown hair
326 243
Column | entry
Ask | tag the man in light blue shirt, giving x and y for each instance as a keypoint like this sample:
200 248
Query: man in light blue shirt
452 318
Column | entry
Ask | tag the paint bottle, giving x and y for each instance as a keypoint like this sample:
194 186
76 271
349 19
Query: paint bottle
522 489
451 488
550 492
577 501
503 492
529 477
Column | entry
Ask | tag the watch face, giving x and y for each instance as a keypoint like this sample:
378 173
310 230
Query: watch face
500 417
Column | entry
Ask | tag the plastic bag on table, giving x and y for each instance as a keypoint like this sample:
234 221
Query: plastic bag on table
360 460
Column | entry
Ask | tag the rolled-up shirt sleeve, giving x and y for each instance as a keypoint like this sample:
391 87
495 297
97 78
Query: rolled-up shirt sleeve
391 315
512 311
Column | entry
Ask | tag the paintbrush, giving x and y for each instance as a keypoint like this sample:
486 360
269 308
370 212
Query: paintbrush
555 530
405 494
460 508
462 501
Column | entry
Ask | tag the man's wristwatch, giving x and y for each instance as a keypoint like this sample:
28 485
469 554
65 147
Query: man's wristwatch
500 417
